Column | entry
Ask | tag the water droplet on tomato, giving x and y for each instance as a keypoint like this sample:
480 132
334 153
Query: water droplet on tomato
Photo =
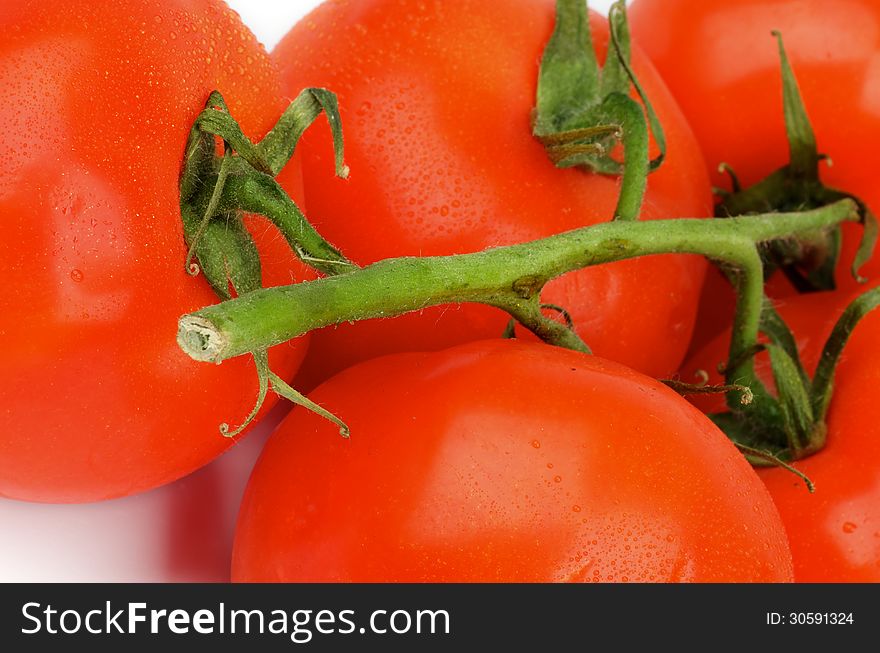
557 479
849 527
536 444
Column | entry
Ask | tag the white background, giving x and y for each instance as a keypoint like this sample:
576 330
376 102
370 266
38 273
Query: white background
270 19
181 532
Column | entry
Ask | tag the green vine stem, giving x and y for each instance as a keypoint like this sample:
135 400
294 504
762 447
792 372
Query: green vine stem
510 278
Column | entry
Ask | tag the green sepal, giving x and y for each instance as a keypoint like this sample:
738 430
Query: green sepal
261 361
775 328
810 261
279 144
741 431
793 398
269 380
228 257
253 192
242 180
281 387
620 41
761 458
823 379
689 389
754 449
803 152
215 120
569 76
868 241
583 111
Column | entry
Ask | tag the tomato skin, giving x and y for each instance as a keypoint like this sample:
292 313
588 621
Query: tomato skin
504 461
835 532
96 399
436 99
722 64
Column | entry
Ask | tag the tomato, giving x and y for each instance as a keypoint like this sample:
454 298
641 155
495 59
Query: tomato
722 64
835 532
504 461
436 99
96 398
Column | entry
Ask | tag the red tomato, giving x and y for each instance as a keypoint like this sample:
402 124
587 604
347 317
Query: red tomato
436 99
722 64
96 398
504 461
835 532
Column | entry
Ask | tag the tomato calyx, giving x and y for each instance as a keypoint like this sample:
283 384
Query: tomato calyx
789 425
582 111
217 191
809 261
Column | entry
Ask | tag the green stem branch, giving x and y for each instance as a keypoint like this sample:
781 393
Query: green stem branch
507 277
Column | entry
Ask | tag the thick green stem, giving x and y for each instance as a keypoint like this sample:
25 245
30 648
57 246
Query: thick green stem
528 313
502 277
749 300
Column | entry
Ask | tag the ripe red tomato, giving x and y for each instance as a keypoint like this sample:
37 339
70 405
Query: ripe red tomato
504 461
722 64
96 398
436 99
835 532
